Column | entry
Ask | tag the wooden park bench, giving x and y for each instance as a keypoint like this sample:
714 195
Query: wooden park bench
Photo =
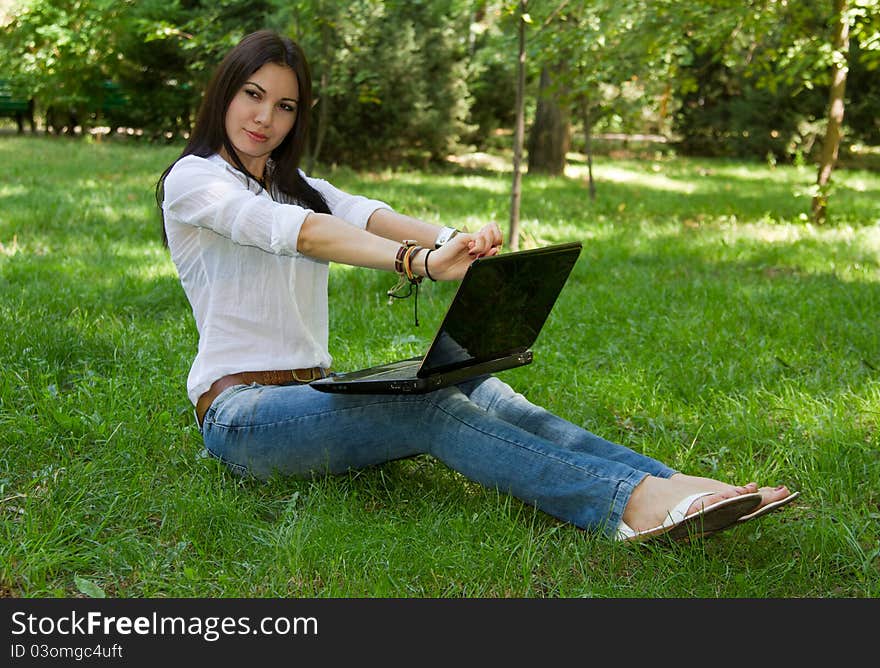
20 109
102 105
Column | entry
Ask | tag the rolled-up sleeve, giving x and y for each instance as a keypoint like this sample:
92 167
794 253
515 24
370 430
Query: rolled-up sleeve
354 209
204 194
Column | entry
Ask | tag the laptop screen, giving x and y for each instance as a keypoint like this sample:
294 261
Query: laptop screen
500 307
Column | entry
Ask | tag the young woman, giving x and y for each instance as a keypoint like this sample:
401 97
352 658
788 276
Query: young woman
252 236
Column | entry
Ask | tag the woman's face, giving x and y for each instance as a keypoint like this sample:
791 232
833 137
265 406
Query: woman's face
261 114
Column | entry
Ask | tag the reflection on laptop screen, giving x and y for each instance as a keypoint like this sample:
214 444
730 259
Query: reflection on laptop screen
499 310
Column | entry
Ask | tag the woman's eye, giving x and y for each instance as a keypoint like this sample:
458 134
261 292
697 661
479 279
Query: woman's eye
252 93
288 107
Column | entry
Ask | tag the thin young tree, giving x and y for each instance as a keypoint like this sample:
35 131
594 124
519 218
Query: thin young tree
519 132
834 130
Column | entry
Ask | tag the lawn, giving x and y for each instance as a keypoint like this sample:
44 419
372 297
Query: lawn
707 323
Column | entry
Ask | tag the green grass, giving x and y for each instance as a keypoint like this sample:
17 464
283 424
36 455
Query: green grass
707 323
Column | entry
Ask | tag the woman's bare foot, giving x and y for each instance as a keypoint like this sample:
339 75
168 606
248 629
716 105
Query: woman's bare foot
654 498
768 494
772 498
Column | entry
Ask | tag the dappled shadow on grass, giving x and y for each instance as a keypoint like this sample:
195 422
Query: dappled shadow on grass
705 347
672 297
635 196
454 198
681 339
645 195
788 264
101 274
65 216
109 280
94 308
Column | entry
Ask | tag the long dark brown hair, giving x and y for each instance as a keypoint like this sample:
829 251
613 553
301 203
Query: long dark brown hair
209 133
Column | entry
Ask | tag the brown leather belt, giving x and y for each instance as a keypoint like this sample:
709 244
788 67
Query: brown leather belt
285 377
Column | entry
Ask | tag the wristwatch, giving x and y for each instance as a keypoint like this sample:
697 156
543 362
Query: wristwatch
445 235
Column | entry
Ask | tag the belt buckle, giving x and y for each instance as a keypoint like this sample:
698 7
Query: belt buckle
311 374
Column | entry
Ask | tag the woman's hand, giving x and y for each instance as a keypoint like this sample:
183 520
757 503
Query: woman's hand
450 261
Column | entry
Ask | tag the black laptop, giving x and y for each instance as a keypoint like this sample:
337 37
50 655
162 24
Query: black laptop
493 321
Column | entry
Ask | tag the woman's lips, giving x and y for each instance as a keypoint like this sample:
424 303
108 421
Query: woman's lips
256 136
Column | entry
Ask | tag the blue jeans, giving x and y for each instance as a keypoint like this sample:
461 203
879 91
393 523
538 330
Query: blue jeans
481 428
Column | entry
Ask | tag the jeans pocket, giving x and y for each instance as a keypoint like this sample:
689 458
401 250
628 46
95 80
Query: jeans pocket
210 425
238 470
220 398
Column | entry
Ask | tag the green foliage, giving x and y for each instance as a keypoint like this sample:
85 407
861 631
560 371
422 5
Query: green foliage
394 78
169 52
760 86
62 51
706 324
728 78
863 84
491 77
403 80
728 115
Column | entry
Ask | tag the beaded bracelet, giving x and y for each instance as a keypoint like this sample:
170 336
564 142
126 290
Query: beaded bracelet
398 261
403 266
411 252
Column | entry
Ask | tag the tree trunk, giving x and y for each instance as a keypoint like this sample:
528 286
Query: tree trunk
831 144
588 140
324 107
516 191
550 138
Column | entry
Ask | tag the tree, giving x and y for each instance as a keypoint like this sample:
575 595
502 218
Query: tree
320 28
390 76
63 51
519 132
831 145
770 54
597 64
549 139
491 73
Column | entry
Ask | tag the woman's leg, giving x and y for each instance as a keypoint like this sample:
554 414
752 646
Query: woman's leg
500 400
657 493
295 430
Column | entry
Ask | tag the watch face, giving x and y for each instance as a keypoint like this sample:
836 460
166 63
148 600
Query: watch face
445 235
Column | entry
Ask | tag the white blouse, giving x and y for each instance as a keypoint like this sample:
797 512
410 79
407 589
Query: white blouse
258 303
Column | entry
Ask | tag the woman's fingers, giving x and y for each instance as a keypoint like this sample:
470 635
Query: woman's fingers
451 261
486 241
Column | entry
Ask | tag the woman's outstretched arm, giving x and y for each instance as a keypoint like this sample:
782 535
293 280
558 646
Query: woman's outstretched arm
327 237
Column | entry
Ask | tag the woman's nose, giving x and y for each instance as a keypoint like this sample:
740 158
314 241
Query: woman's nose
263 115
